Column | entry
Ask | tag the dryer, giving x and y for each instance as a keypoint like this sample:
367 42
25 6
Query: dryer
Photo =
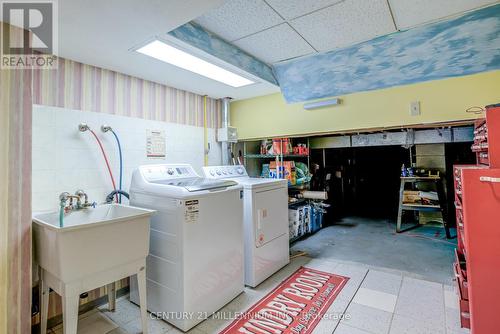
195 262
265 219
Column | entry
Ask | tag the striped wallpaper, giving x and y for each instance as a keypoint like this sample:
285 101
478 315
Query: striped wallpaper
75 86
15 197
84 87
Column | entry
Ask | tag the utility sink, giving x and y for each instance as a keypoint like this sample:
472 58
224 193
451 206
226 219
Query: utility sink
91 241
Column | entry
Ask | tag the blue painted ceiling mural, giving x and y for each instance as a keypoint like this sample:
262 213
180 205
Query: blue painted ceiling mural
200 38
465 45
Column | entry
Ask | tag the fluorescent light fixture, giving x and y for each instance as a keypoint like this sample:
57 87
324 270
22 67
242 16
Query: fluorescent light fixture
176 57
321 104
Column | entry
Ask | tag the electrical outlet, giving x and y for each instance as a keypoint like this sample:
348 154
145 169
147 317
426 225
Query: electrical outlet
415 108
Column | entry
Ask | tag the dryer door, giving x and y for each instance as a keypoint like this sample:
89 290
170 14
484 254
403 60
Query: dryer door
270 215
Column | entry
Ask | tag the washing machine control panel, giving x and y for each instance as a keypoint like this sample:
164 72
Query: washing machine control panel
167 172
224 172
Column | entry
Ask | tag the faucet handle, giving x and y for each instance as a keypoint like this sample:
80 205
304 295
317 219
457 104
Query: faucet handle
63 197
80 193
83 127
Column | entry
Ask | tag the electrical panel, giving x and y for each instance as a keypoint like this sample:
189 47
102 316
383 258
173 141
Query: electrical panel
229 134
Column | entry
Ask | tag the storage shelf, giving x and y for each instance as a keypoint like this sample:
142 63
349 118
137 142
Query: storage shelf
420 207
300 201
304 186
292 240
272 156
421 178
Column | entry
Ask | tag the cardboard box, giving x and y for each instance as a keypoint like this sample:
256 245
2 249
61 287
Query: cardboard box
411 196
276 169
415 196
281 145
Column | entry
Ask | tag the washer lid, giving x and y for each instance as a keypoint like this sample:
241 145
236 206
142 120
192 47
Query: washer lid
196 183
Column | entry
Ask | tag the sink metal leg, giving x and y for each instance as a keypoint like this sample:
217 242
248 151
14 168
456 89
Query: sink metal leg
44 291
141 285
70 313
111 287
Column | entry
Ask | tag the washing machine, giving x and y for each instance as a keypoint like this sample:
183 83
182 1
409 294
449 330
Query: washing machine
265 219
195 262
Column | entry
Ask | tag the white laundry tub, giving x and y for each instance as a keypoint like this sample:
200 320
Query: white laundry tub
92 240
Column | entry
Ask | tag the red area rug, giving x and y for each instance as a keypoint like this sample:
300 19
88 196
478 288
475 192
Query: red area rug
295 306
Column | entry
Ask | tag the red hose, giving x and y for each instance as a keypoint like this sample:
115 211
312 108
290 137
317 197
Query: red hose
107 162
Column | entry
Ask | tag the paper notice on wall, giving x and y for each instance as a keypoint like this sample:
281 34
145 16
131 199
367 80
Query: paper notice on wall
192 211
156 144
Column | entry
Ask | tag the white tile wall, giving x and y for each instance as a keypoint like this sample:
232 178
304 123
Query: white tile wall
65 159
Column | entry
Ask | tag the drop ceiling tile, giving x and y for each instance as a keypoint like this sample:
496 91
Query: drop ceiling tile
239 18
410 13
291 9
275 44
345 24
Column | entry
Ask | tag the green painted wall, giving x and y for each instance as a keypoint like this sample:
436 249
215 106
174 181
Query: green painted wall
440 101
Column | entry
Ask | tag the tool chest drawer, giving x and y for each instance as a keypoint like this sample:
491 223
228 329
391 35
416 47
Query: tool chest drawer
464 313
460 269
487 138
480 143
462 289
483 158
460 233
457 179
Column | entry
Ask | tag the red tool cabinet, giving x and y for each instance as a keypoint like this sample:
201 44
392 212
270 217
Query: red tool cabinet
477 202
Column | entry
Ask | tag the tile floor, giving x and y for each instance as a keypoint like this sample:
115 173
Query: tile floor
374 301
92 322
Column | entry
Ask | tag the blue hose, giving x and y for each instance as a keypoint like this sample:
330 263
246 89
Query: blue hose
121 164
61 215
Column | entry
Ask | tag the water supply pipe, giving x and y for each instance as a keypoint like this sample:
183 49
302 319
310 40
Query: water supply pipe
226 122
106 128
109 198
206 148
84 127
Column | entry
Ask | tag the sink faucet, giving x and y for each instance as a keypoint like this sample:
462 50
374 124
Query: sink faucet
80 193
65 196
